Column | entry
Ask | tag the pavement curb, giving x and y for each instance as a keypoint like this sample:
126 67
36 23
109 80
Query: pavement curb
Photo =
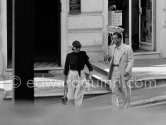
148 101
7 96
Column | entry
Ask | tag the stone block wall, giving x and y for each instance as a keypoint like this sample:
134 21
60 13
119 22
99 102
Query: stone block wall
1 54
89 28
3 37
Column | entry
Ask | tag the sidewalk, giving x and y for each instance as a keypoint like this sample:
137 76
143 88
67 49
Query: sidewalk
142 69
51 87
150 68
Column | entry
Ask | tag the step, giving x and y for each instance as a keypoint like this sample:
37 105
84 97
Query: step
101 67
99 79
53 90
46 68
147 55
100 72
8 95
143 69
141 75
46 72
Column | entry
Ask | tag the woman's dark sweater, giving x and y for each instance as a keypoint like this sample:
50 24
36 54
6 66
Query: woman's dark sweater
77 61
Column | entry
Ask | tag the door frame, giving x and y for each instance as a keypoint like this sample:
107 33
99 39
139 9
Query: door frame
58 28
9 33
130 22
10 18
142 44
59 33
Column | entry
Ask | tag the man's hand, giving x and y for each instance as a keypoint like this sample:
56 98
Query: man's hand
126 74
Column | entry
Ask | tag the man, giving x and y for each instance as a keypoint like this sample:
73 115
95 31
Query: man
120 71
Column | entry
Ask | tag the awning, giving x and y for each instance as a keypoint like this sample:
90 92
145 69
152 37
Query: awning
112 29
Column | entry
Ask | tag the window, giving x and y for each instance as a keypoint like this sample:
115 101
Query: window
74 7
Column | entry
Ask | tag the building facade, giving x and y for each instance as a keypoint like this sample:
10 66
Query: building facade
87 25
144 22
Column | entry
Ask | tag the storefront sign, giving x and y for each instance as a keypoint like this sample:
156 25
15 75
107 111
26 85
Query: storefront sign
115 18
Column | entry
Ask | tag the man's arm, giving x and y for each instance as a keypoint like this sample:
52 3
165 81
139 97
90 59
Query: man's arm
130 59
109 53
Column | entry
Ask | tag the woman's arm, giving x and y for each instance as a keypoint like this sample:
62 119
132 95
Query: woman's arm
66 68
87 62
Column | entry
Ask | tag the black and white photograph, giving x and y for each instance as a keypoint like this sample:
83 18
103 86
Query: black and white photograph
82 62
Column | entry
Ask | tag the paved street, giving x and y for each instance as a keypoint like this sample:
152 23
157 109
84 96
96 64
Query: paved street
94 111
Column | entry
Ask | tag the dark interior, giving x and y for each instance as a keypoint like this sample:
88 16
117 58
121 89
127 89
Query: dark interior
124 6
9 33
47 31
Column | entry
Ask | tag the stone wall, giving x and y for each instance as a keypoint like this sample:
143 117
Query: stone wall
161 27
3 37
89 27
1 54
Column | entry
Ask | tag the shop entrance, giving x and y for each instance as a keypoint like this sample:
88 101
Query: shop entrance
146 32
47 33
137 22
47 43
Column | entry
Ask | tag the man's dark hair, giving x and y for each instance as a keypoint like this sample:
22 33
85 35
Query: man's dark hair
118 34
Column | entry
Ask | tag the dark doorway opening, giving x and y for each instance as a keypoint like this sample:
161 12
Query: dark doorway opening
47 45
123 5
9 32
47 33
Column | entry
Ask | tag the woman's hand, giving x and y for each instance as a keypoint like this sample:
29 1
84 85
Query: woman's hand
126 74
90 75
65 80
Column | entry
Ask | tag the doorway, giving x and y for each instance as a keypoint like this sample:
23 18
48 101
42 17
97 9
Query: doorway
123 7
47 45
137 22
47 33
9 32
146 34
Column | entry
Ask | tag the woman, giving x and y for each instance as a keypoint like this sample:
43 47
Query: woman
74 74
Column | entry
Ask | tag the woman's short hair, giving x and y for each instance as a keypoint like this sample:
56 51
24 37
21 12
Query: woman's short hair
76 44
118 34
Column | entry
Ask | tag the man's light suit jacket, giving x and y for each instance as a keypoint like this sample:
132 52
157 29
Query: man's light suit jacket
126 61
